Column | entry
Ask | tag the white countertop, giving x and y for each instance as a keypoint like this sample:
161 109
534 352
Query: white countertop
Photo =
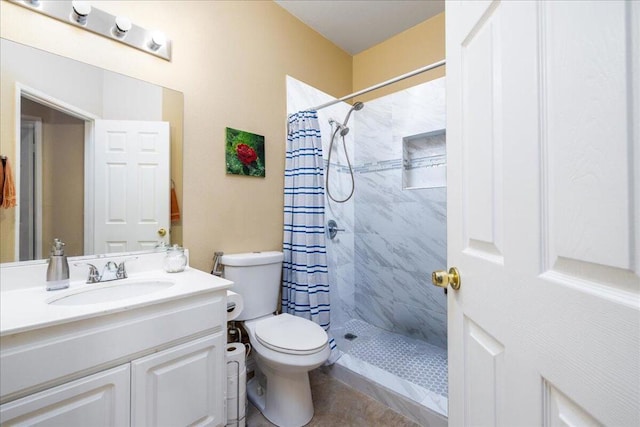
27 308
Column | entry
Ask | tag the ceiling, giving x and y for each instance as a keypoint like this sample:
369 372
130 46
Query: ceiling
356 25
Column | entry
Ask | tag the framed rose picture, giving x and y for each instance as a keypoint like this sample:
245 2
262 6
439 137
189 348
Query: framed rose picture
245 153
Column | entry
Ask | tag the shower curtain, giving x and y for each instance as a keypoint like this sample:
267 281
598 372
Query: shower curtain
305 286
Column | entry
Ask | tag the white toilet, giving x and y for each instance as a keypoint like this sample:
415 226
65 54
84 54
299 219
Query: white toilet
286 347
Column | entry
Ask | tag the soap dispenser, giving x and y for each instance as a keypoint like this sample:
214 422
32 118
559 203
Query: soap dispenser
58 270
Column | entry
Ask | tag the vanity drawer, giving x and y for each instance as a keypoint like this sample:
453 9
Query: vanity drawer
43 358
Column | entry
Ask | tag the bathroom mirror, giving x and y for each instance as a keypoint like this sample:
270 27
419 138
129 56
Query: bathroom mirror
64 98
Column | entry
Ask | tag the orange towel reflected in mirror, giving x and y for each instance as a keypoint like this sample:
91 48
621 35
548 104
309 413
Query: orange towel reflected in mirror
175 209
8 187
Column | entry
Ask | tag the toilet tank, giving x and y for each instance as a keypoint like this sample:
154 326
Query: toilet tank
257 277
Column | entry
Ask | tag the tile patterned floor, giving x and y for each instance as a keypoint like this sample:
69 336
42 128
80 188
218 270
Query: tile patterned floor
337 404
414 360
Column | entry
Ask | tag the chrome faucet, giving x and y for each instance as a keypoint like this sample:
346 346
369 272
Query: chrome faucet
111 271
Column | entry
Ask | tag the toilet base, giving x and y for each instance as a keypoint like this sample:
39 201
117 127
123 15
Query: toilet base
285 399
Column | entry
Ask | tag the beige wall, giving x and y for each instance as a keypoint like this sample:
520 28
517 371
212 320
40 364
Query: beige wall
230 59
416 47
62 178
63 183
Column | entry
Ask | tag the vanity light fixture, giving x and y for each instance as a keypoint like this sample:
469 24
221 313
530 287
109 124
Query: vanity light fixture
119 28
80 10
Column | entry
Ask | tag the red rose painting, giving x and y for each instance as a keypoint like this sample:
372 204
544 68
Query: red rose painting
245 153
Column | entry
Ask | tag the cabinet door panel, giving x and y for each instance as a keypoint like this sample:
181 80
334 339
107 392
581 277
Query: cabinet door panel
180 386
98 400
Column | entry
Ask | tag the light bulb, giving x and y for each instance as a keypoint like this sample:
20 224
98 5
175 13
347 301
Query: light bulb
81 10
158 39
122 26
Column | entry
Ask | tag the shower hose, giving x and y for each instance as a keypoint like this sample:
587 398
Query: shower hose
353 184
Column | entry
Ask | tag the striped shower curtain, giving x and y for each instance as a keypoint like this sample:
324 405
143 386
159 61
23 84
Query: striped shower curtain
305 286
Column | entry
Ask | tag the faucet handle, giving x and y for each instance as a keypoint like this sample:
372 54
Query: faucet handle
111 266
94 276
122 271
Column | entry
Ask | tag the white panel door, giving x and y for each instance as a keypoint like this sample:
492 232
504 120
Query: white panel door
97 400
132 185
181 386
543 130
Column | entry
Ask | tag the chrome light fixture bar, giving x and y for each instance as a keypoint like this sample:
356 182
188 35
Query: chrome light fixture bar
119 28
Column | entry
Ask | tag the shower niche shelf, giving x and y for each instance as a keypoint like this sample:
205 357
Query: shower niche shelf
424 160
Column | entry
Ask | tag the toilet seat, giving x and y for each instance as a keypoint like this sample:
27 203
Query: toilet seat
291 335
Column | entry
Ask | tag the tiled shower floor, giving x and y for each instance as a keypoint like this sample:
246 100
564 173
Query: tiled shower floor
413 360
416 361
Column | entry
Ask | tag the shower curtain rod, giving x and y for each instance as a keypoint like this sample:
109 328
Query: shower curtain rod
383 84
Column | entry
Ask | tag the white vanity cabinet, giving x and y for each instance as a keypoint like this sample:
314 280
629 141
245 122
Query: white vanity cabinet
97 400
156 364
179 386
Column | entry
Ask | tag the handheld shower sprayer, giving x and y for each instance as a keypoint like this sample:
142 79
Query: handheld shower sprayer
344 130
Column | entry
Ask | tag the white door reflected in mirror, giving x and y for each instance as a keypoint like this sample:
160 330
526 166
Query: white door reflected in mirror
132 185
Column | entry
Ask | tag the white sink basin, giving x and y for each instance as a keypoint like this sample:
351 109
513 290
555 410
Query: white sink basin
111 291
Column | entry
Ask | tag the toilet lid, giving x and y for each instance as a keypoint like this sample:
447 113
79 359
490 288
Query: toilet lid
290 334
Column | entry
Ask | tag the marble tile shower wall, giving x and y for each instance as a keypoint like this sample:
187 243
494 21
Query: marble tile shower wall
400 235
394 238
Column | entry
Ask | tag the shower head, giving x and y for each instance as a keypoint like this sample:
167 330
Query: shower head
357 107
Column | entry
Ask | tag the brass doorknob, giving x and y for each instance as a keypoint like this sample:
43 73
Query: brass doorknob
162 232
441 278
